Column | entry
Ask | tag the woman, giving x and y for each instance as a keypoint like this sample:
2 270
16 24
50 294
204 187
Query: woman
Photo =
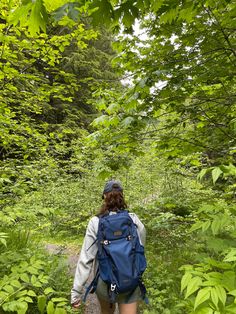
127 302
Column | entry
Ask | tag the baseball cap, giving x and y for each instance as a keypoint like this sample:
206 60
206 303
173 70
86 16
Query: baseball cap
112 185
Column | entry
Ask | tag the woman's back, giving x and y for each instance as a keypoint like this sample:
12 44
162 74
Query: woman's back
113 203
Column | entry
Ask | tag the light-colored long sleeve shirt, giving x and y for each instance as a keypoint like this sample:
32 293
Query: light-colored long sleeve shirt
87 262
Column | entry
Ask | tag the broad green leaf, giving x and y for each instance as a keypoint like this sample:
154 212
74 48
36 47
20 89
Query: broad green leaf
24 277
22 307
28 299
221 294
54 300
214 296
216 172
228 280
204 310
31 293
233 292
48 290
60 311
68 9
193 286
50 308
202 173
62 304
202 296
37 18
211 282
128 19
8 288
34 280
15 283
42 299
20 14
21 293
215 275
185 280
231 309
229 170
32 270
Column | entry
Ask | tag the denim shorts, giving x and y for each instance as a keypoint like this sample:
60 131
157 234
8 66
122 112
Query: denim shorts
122 298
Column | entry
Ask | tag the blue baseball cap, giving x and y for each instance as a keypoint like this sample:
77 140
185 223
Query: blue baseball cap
112 185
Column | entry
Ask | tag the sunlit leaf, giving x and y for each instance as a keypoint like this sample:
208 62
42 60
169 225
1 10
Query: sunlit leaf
202 296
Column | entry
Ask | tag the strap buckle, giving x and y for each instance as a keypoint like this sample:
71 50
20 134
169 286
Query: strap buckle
129 237
113 287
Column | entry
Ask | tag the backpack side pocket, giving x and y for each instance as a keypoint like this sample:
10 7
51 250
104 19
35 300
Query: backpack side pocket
140 261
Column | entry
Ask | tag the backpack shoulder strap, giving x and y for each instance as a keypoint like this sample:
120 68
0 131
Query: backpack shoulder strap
143 291
92 287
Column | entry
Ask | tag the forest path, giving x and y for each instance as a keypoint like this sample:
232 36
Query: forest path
92 305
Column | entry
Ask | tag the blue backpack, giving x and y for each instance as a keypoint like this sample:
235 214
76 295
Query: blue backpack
121 259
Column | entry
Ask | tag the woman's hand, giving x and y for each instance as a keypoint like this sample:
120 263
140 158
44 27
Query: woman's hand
76 305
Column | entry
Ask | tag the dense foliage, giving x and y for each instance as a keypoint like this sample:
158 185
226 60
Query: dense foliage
167 130
47 83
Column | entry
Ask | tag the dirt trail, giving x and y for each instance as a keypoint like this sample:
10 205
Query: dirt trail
92 305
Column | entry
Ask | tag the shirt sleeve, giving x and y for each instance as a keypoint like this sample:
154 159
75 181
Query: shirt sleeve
85 263
140 227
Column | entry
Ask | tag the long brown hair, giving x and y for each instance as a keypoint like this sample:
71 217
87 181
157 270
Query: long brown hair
114 201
